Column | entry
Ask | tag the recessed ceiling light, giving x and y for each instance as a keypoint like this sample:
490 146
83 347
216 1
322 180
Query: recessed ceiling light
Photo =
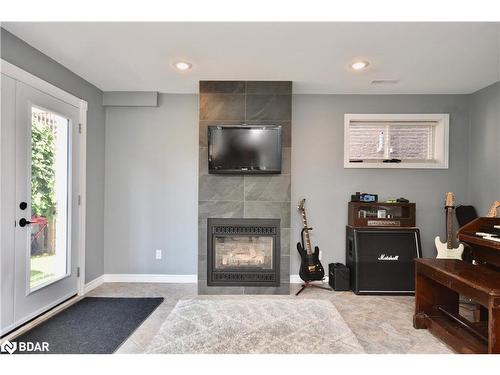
182 65
359 65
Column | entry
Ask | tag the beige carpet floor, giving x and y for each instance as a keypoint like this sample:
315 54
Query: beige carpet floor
382 324
247 326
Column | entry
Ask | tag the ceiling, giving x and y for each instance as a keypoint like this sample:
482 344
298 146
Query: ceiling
424 57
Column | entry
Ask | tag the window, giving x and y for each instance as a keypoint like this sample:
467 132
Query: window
396 141
50 158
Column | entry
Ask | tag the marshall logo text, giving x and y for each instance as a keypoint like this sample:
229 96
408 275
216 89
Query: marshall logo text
388 257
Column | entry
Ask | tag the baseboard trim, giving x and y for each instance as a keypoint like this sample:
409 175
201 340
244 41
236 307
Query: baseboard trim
156 278
295 279
149 278
93 284
138 278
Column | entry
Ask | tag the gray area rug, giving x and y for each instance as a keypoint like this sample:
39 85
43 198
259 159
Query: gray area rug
247 325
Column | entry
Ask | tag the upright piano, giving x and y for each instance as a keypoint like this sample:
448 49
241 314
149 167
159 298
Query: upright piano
439 283
485 252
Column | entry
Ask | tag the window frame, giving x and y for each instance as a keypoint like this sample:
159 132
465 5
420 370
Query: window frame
440 144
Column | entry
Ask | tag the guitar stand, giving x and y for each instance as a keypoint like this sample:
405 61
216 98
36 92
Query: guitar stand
308 284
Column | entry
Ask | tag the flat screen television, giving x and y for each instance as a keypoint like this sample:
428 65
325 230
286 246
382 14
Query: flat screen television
244 149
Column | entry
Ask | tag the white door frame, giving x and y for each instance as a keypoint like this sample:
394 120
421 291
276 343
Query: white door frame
31 80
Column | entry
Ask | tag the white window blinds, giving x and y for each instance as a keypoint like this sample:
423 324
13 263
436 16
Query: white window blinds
412 141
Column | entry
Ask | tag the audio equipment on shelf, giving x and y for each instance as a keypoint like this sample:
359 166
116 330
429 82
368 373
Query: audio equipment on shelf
364 197
338 277
381 260
381 214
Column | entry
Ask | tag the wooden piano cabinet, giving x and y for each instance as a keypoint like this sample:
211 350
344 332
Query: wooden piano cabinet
480 313
440 282
438 285
494 327
428 295
486 253
483 251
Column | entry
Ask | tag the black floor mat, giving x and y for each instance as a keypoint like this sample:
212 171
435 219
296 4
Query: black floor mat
93 325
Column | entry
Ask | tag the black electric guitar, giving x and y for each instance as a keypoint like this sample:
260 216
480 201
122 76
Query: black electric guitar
310 266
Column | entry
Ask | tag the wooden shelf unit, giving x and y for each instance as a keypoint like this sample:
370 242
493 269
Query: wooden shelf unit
366 214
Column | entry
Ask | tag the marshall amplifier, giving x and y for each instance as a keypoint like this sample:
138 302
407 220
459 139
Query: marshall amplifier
381 260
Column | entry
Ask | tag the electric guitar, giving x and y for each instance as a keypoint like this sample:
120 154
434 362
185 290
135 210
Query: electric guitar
445 250
493 211
310 266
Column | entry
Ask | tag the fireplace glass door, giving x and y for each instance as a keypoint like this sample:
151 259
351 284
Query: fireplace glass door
243 252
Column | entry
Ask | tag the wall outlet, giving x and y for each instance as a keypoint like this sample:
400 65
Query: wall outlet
320 255
158 254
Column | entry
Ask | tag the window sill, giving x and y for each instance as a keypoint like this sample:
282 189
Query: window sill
401 165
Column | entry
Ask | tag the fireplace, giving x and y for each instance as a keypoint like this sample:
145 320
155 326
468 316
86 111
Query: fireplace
243 252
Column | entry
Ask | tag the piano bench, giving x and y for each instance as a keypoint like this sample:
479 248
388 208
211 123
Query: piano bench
438 285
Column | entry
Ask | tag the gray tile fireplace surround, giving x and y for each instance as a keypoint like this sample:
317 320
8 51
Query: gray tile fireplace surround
244 196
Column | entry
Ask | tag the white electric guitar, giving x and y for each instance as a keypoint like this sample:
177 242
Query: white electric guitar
445 250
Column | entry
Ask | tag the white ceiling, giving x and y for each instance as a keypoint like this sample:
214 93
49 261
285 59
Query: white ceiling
425 57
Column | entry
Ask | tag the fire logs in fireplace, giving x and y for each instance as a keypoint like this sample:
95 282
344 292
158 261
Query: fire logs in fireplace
243 252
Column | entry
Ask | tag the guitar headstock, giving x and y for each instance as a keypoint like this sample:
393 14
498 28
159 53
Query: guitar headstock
450 200
302 205
493 211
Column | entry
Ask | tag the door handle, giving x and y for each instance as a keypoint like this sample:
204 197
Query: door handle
23 222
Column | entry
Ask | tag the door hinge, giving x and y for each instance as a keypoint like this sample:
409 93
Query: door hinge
79 200
80 128
77 271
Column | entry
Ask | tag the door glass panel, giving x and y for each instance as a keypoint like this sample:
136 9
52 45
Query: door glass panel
49 197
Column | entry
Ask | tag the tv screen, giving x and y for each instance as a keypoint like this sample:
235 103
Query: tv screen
244 149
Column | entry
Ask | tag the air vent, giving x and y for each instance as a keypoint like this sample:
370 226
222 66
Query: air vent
385 81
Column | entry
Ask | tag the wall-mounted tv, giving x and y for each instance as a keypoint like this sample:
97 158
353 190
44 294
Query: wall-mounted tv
244 149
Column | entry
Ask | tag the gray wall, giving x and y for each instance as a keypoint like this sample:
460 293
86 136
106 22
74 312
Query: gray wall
319 176
484 175
151 195
151 187
19 53
244 196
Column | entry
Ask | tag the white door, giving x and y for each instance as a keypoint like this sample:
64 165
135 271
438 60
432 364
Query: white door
44 169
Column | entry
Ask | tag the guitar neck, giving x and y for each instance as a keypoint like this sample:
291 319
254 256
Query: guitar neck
306 233
449 227
493 211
